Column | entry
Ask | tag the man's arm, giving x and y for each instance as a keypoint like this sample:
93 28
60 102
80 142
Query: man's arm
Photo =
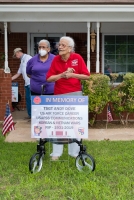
15 76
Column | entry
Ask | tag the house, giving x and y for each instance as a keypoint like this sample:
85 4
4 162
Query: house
103 31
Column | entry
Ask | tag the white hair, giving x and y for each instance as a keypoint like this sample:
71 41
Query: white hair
45 41
70 41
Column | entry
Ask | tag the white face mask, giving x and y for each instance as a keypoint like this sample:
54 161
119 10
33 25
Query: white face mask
42 52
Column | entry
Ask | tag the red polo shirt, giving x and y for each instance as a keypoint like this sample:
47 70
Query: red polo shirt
59 66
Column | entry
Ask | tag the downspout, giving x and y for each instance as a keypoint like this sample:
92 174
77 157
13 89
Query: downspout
7 69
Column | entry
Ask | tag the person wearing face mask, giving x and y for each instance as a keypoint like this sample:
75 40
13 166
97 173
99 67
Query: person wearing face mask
38 67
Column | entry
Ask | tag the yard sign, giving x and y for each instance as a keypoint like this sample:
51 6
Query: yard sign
14 92
59 116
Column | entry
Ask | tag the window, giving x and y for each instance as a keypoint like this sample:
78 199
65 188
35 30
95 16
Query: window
119 54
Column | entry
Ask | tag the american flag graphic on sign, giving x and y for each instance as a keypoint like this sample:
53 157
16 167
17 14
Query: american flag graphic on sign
8 124
81 131
109 115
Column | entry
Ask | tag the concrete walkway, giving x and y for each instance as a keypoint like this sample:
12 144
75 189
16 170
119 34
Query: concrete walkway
22 132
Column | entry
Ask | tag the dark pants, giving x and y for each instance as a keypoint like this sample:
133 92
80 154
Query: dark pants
28 99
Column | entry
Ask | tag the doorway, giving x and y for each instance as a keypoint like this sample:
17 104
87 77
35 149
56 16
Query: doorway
53 38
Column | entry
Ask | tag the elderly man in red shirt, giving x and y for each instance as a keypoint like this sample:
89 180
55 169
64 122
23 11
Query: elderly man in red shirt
67 70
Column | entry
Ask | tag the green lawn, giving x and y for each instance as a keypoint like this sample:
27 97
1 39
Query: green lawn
113 178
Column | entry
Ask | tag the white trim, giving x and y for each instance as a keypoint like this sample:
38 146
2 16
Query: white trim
66 8
7 69
88 45
98 47
66 13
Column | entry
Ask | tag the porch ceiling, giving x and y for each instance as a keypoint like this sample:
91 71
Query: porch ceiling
66 13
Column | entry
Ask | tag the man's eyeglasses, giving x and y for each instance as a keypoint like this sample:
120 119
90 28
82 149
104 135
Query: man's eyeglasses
42 47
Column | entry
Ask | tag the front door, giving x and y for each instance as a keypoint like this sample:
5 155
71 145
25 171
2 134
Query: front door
53 38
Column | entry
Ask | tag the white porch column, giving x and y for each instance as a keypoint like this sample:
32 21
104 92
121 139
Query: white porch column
98 46
88 46
6 70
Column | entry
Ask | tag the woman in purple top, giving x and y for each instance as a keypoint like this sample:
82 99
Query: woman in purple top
37 68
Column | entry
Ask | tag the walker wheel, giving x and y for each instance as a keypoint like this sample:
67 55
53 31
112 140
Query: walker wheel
85 163
35 163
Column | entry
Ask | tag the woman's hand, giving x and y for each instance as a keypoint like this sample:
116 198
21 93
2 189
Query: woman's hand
70 70
68 73
63 75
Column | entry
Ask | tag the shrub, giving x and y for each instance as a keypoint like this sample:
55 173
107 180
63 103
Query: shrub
122 97
97 89
100 91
